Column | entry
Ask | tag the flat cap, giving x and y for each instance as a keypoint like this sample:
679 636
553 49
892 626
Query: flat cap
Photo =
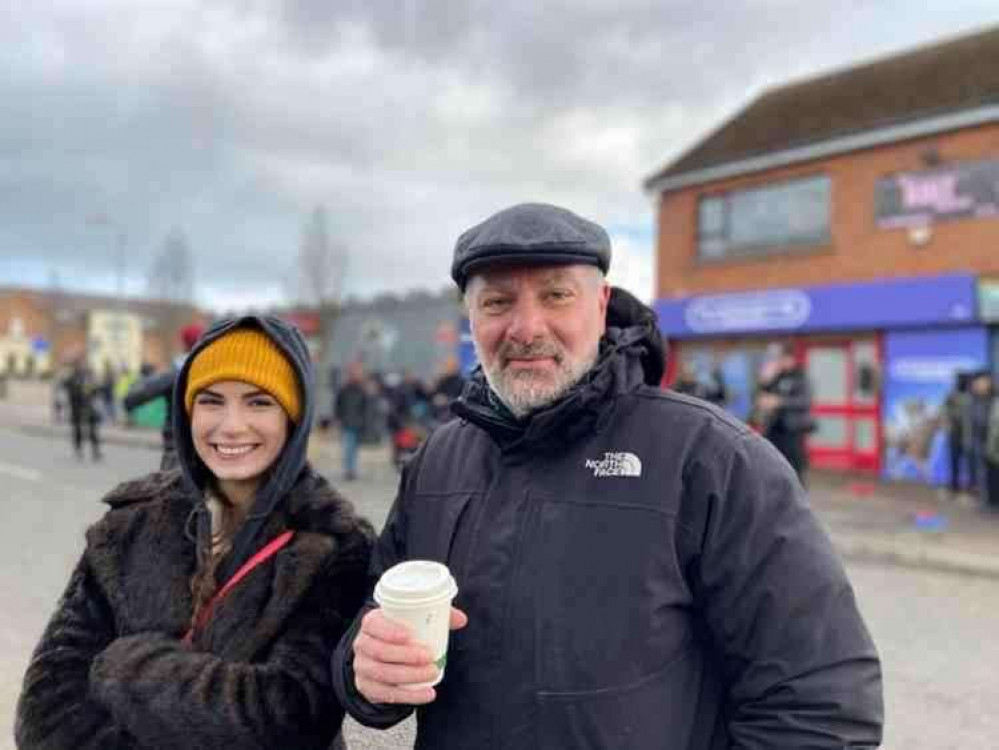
534 233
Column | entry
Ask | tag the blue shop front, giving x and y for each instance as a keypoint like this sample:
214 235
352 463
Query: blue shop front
881 357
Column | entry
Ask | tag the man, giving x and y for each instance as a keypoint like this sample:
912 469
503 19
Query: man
160 385
84 410
784 405
351 412
636 569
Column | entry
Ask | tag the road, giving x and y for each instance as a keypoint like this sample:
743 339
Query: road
937 633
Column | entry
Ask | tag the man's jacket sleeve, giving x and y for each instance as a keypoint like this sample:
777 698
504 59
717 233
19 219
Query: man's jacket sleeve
799 663
389 549
55 709
147 389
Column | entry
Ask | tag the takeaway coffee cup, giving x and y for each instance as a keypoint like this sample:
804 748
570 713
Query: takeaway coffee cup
418 593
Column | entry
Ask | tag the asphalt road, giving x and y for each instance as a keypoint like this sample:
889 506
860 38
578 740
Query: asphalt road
938 634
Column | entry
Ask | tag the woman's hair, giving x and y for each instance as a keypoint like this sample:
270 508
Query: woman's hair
203 583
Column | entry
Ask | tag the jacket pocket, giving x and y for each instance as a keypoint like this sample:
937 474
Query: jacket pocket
653 713
433 521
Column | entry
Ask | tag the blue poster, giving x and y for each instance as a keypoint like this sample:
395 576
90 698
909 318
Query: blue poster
920 369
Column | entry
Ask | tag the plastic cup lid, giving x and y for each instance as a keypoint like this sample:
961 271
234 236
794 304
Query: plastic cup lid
415 581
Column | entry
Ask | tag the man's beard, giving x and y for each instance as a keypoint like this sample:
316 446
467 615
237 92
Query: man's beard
526 390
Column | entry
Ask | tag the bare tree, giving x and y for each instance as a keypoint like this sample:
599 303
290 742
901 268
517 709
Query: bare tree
321 265
171 276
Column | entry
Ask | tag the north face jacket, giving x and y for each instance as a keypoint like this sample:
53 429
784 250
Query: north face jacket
639 570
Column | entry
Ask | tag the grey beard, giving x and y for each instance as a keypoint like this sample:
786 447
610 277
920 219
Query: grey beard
527 393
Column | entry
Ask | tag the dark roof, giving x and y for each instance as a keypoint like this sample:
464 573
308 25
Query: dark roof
949 76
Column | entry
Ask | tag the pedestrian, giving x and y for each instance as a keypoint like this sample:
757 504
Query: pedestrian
963 473
446 389
159 641
980 407
352 413
635 569
82 395
154 386
783 408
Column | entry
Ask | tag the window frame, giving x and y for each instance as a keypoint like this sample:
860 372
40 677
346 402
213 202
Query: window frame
731 251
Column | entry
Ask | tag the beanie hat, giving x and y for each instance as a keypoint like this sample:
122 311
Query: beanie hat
530 233
248 355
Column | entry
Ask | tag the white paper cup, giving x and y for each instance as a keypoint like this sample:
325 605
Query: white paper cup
418 594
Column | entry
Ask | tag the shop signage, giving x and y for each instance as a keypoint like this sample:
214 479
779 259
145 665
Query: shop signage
956 191
777 309
948 299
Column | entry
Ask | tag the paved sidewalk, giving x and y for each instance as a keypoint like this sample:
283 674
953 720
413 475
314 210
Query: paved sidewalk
907 524
894 523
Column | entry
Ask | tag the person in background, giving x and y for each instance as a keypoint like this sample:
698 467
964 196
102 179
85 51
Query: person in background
351 412
207 602
783 408
713 391
979 415
635 571
963 473
161 386
446 389
83 398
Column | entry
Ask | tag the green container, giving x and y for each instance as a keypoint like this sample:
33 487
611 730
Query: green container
152 414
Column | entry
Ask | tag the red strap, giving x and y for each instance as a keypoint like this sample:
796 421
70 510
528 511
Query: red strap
269 550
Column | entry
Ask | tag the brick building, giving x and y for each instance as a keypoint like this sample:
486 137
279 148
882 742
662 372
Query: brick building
855 215
40 329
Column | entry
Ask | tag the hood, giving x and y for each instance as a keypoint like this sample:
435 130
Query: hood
632 354
288 466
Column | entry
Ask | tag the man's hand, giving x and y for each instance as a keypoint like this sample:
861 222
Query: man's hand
387 659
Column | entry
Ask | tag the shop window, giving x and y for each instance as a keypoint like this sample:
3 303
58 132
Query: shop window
760 220
830 432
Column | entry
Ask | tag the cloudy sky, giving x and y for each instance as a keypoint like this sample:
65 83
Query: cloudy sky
408 121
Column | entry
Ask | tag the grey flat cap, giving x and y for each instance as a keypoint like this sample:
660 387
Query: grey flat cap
533 233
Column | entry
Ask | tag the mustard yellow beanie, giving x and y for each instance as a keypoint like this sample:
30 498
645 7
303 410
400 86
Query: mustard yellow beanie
249 355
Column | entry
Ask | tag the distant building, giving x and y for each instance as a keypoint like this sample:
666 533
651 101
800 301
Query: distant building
41 329
856 216
418 332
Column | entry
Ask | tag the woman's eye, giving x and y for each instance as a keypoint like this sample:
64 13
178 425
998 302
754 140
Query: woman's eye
262 402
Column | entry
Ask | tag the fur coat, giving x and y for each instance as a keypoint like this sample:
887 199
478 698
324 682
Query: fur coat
112 671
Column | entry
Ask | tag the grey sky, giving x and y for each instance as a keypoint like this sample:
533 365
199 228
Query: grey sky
409 121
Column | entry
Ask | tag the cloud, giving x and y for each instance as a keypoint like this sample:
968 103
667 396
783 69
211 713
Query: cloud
409 121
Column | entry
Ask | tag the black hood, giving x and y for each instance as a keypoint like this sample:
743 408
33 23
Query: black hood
290 463
632 354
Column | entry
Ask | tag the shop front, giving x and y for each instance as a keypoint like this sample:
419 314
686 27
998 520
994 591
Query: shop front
880 356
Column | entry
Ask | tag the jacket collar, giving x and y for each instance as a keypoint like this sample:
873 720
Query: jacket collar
581 411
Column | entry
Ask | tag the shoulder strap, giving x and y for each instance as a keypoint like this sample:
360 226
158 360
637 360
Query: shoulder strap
266 552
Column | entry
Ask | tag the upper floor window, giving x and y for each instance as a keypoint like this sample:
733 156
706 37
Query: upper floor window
760 220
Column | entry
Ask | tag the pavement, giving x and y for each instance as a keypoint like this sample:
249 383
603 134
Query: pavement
868 519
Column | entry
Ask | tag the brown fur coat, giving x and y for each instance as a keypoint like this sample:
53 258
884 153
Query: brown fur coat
112 672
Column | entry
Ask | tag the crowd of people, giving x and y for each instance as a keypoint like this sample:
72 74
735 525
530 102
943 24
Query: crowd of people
971 411
633 570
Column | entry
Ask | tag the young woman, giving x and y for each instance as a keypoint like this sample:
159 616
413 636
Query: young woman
209 598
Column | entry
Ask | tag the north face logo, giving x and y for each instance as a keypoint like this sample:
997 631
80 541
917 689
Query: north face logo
616 465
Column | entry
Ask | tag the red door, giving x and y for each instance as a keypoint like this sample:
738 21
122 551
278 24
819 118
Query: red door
846 403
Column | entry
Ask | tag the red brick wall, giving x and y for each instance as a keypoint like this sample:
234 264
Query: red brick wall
859 251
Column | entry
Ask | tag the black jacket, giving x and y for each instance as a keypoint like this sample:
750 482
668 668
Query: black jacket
112 672
640 571
793 416
352 406
149 389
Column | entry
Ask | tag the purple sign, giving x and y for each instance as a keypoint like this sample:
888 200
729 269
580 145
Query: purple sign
956 191
939 300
